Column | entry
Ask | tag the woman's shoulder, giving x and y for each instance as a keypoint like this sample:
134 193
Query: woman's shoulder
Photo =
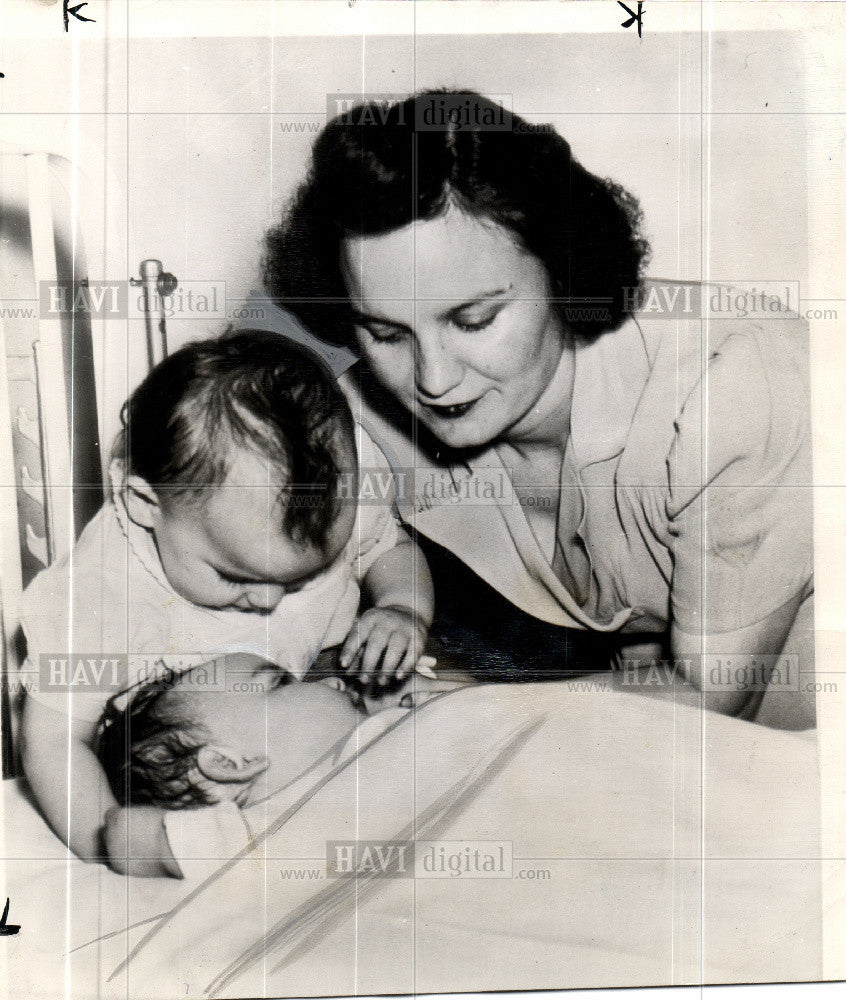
697 320
739 383
688 326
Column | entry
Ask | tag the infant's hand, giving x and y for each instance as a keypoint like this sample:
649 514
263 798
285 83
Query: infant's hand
384 644
415 691
136 842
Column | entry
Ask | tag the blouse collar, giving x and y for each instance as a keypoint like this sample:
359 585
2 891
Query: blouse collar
610 376
611 373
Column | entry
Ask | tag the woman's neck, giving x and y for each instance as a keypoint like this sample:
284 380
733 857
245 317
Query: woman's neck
545 428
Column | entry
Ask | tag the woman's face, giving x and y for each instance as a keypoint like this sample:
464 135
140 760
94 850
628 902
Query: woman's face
455 320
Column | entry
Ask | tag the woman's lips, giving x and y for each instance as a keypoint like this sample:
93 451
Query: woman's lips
453 412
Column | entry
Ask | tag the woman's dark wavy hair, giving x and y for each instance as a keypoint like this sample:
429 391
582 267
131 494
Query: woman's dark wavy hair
372 172
253 390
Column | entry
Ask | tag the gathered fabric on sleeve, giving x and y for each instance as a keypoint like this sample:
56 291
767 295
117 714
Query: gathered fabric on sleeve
740 501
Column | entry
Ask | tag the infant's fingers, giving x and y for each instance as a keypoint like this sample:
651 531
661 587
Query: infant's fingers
377 642
355 640
395 652
408 662
350 648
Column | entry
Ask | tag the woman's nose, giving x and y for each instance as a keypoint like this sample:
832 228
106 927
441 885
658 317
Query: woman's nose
436 369
265 596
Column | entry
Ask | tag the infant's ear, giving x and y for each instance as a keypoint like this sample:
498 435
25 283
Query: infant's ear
223 764
142 504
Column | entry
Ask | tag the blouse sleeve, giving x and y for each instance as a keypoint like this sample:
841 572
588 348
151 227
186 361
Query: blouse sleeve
740 501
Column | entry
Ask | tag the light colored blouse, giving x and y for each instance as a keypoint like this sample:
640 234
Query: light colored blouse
690 452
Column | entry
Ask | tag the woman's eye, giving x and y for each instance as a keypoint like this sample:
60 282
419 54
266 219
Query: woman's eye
387 336
470 326
384 334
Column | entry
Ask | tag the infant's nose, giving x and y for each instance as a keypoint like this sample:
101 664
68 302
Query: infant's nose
265 596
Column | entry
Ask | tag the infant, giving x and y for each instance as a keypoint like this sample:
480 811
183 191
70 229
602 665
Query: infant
227 529
238 732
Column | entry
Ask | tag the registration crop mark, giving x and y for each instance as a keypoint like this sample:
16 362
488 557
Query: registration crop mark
638 17
7 930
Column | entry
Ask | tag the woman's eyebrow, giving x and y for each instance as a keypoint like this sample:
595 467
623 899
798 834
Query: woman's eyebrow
362 317
477 300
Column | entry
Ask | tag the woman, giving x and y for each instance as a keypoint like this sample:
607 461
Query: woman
602 469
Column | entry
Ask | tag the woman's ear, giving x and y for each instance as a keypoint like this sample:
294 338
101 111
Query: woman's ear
225 765
142 504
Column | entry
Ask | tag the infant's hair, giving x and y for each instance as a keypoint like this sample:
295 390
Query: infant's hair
248 390
148 750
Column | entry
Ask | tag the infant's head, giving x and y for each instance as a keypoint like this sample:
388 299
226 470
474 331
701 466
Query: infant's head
182 745
232 450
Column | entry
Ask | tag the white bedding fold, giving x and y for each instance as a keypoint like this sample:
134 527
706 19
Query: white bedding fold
678 848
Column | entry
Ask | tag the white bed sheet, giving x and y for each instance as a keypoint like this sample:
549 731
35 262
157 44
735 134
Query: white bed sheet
682 848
